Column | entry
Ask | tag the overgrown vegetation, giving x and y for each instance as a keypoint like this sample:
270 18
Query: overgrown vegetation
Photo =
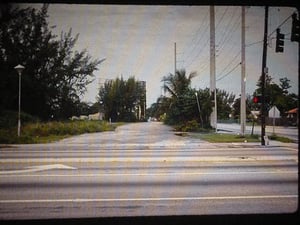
191 126
52 131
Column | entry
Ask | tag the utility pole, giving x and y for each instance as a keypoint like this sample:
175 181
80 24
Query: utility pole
213 116
174 58
263 79
243 77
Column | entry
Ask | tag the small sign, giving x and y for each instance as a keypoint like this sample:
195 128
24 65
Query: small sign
274 112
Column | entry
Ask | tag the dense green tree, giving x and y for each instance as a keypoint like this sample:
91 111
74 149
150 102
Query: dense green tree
159 108
181 105
178 86
205 103
55 75
278 95
122 99
225 101
250 106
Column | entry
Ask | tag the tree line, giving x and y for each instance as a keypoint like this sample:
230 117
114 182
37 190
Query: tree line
123 100
183 104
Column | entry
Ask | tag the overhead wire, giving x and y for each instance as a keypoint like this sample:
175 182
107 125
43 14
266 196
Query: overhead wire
280 25
231 26
225 75
225 68
207 40
233 59
196 37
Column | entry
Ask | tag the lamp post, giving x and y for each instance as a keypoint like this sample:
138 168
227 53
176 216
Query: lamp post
199 109
19 68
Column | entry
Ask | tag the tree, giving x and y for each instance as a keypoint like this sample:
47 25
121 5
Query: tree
158 109
250 106
278 95
122 98
178 86
182 103
224 103
55 76
204 97
284 84
178 83
74 71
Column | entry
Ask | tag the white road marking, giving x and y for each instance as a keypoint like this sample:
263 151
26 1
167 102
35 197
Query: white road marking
38 169
173 149
151 174
150 159
146 199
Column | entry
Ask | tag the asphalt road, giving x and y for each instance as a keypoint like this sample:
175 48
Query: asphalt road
144 169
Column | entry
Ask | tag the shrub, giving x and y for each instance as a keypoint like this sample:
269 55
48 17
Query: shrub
34 132
10 118
188 126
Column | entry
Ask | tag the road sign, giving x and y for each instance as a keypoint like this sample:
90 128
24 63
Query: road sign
274 112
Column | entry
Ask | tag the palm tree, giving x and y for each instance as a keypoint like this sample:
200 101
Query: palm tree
178 84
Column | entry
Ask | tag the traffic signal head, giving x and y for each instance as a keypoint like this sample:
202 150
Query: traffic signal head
256 99
279 41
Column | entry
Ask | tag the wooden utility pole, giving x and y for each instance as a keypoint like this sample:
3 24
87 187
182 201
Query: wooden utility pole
263 79
213 116
175 59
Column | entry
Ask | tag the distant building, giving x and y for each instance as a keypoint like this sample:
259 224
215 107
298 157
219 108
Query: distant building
292 117
96 116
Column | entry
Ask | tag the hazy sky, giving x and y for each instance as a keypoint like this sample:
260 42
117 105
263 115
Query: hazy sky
139 41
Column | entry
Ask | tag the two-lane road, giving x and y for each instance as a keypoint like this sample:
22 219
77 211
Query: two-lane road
144 169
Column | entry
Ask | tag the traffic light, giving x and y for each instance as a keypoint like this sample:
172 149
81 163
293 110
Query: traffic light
295 35
257 99
279 41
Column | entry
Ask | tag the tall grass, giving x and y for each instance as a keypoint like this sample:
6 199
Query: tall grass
39 132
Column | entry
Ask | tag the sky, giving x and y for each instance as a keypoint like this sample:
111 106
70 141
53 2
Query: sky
139 41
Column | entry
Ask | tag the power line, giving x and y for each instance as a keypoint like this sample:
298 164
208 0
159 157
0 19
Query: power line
221 19
254 43
282 23
227 31
196 43
230 31
205 45
225 75
239 52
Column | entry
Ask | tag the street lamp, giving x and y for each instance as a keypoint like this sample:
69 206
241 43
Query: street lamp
199 109
19 68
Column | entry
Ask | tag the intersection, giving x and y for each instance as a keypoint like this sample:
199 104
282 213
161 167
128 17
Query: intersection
144 169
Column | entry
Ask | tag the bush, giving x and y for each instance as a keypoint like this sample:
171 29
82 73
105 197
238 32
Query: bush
188 126
10 118
11 137
34 132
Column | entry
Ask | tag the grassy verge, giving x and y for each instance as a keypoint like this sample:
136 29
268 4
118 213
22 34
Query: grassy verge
229 138
225 138
280 138
52 131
